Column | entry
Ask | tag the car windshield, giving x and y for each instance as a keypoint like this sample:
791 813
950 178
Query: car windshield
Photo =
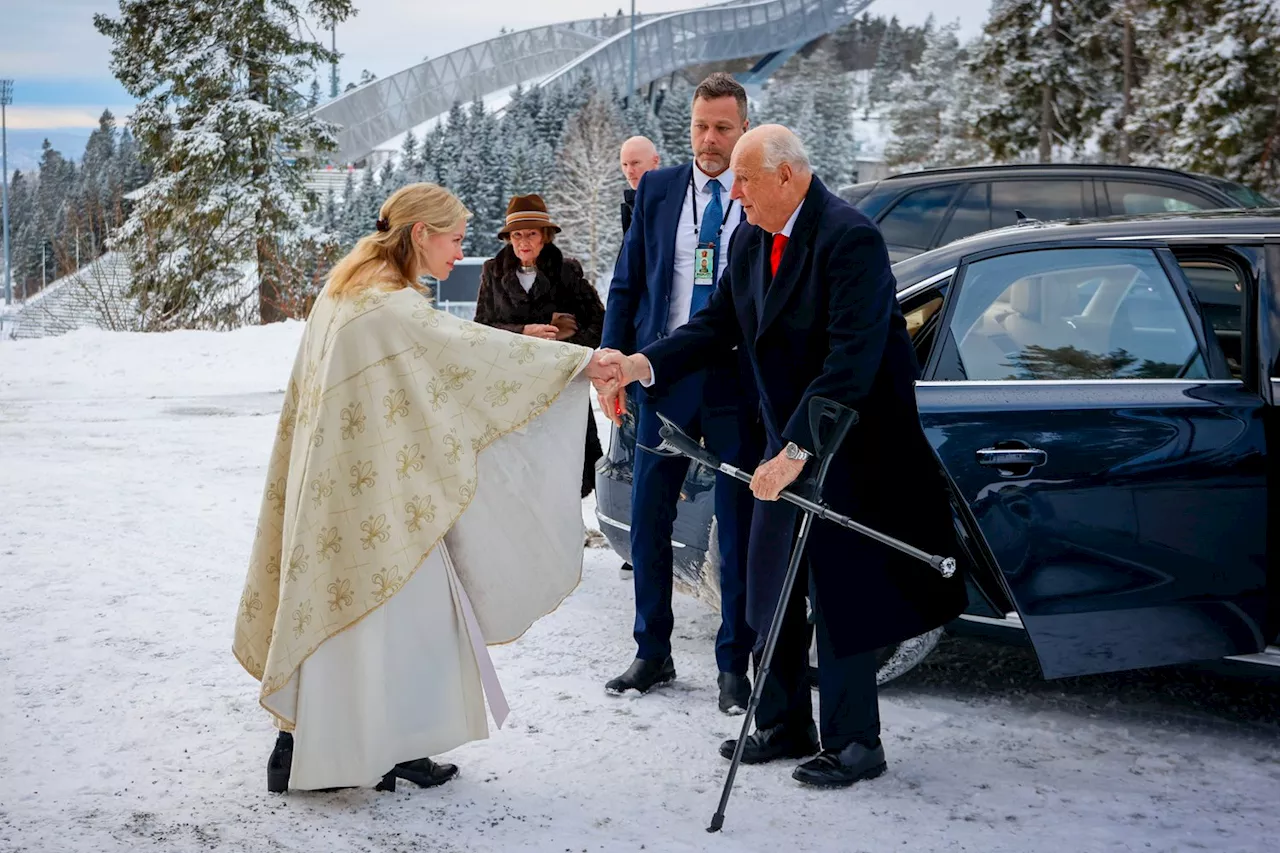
1245 196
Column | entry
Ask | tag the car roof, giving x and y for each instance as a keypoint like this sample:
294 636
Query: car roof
1042 170
1248 225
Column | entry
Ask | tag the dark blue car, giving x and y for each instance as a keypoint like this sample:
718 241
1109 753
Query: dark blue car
1102 396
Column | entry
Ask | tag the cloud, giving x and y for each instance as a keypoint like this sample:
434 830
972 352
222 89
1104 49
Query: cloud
60 117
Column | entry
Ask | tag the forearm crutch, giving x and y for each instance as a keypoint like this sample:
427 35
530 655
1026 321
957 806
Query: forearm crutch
676 443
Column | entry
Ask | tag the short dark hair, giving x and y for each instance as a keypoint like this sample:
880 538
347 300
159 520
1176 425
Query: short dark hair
721 85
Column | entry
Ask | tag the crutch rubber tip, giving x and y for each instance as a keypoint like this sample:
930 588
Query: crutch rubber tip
717 821
947 565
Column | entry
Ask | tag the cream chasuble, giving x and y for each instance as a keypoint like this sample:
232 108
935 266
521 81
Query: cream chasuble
422 501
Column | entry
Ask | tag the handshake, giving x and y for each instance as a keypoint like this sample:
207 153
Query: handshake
611 372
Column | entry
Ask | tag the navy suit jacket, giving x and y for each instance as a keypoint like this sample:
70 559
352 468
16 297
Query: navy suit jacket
639 298
829 325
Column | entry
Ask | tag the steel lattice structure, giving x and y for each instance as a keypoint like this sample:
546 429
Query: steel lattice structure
560 54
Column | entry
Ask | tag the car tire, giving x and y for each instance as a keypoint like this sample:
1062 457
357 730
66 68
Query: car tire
891 661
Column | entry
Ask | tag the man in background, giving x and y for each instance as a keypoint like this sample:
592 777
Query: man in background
675 249
638 155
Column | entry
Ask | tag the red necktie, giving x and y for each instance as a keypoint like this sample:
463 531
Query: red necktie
775 254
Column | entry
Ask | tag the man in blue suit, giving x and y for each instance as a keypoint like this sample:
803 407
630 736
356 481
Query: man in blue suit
676 248
810 296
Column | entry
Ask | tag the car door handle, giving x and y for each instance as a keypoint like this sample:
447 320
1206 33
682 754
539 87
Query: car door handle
999 457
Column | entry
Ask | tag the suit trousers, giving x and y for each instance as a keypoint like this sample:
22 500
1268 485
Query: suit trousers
656 484
849 708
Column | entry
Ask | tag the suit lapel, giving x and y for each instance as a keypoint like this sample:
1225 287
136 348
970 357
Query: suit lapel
673 206
757 272
794 257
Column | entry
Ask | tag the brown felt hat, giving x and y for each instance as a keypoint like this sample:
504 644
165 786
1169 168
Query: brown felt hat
526 211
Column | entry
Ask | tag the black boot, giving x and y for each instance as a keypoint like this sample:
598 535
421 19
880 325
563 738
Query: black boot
796 741
642 676
735 693
422 772
280 763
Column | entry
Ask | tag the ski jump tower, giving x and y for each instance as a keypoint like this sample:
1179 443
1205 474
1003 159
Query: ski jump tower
558 55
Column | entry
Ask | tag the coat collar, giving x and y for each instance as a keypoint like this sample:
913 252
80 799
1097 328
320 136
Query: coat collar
793 258
550 260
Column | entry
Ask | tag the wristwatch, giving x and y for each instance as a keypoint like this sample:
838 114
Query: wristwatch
795 451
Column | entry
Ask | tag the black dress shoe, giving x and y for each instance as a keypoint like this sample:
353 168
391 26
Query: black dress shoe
735 693
422 772
771 744
643 676
840 769
280 763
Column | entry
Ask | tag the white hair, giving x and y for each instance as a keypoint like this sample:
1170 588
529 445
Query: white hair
779 148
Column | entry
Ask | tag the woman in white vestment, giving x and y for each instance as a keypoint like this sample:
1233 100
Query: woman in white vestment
422 502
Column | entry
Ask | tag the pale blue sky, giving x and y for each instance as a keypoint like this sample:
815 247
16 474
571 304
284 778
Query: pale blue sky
61 65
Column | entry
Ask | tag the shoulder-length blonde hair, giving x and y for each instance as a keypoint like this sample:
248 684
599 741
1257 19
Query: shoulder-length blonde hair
389 249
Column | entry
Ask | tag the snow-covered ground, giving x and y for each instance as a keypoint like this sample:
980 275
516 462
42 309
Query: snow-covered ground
131 469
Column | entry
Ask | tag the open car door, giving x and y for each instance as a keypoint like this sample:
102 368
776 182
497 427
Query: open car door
1114 469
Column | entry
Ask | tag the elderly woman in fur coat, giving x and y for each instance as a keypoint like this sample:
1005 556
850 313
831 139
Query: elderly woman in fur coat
531 288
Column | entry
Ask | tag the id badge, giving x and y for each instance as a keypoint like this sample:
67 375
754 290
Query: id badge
704 265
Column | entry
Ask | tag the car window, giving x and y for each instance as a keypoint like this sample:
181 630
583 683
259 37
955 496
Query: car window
1220 292
971 214
909 225
1043 200
1243 196
1128 197
1073 314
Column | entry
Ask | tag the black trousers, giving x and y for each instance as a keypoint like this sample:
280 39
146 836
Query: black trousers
849 707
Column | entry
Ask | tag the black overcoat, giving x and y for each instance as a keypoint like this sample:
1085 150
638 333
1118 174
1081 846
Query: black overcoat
830 326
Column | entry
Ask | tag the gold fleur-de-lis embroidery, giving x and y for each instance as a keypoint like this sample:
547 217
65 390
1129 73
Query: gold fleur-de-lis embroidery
340 592
397 406
298 563
419 351
522 351
474 333
467 491
483 441
328 542
375 531
364 477
302 618
321 488
541 402
284 430
453 447
410 459
419 510
499 393
427 316
275 494
352 420
455 376
250 604
318 439
568 359
369 299
387 583
438 395
273 565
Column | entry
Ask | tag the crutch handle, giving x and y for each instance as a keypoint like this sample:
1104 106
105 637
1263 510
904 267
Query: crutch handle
842 418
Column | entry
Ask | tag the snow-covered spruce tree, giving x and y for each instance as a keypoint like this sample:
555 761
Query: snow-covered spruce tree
891 62
214 81
588 186
483 184
675 114
1212 100
929 109
1028 57
832 147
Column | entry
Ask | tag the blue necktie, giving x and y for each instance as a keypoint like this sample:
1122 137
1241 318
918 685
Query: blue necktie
709 232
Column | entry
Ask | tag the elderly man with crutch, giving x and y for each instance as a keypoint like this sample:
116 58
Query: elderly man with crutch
809 293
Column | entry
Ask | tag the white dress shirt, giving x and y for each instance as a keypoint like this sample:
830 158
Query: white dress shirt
786 232
687 241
